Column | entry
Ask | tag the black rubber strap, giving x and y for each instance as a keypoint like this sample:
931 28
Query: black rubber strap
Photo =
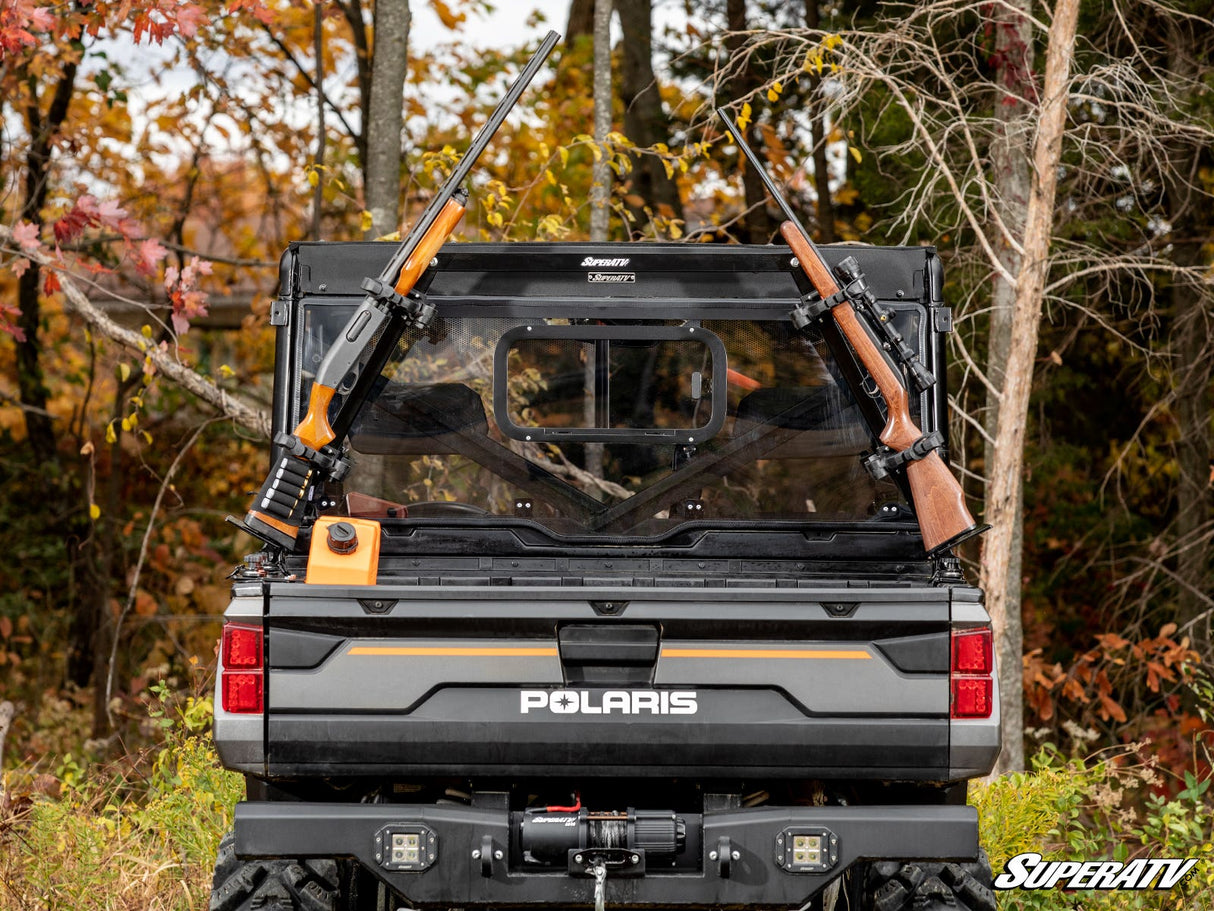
885 460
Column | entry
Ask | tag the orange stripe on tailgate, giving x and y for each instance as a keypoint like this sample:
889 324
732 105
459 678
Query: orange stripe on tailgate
763 653
456 651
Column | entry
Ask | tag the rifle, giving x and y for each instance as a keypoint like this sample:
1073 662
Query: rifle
944 520
395 302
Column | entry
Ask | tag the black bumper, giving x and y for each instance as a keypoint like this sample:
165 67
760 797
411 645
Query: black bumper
477 862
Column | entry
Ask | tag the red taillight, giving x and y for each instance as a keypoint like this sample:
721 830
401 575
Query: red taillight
973 652
242 692
971 686
973 697
241 646
241 655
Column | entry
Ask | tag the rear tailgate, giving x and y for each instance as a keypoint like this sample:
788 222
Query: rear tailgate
825 681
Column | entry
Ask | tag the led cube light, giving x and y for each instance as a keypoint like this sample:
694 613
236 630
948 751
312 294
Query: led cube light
406 847
807 849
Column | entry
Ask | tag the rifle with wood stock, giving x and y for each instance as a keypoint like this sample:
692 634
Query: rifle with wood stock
395 303
939 502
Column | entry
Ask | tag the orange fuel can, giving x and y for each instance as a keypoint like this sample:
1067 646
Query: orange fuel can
343 552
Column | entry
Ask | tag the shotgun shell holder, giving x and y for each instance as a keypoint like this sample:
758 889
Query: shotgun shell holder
331 463
885 460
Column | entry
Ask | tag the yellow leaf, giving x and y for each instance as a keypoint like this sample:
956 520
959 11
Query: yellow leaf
110 436
126 424
366 221
669 168
147 437
494 219
94 511
226 371
744 117
124 372
564 153
544 153
846 195
551 177
313 177
598 153
147 331
855 153
449 18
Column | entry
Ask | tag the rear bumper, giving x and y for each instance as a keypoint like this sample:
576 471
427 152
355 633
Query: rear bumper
730 855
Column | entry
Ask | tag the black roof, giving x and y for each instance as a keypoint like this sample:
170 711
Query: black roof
625 276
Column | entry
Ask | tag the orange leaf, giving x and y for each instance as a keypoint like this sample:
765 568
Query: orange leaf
1110 708
145 604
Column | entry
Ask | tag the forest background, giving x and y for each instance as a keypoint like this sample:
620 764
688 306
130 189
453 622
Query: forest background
156 157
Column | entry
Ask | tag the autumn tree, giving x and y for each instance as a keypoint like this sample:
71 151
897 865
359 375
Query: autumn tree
1041 171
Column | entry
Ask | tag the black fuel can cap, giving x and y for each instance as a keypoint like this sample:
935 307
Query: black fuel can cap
343 538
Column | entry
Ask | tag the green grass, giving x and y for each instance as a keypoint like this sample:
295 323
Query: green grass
1110 807
139 834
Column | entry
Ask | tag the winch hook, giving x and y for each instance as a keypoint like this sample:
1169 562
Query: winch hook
600 884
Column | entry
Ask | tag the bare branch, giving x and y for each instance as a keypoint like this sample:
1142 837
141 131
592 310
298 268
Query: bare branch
189 379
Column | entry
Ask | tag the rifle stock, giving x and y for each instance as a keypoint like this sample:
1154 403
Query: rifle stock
939 500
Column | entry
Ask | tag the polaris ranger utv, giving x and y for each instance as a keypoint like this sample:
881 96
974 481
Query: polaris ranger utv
612 574
607 603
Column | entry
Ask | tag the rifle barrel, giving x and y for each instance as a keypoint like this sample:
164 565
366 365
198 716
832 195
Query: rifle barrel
475 148
772 191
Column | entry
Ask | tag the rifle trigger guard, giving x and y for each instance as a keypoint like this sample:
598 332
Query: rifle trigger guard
882 462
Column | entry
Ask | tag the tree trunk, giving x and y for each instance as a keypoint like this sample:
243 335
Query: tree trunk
600 188
353 12
580 21
600 195
318 48
645 123
756 227
1000 552
1194 364
1012 178
384 116
817 118
31 382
